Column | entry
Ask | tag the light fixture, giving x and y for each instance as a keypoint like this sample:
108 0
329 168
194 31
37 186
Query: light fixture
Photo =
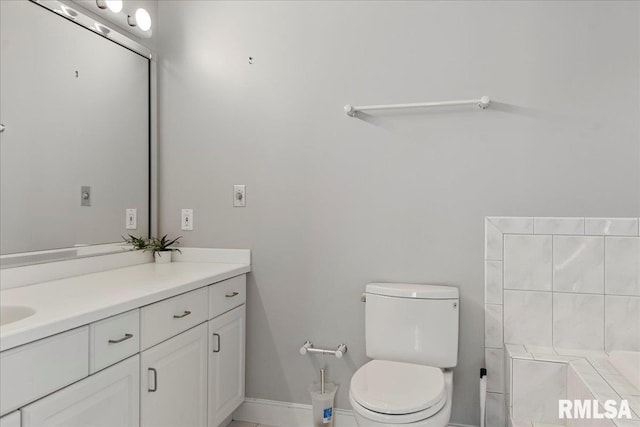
114 6
141 19
102 29
68 11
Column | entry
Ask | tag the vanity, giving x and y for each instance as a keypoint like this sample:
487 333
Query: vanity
146 344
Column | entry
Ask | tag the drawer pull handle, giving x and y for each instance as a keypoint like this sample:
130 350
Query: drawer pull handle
218 344
180 316
231 295
155 381
126 337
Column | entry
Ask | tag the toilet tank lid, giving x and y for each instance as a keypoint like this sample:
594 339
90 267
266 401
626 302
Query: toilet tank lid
413 290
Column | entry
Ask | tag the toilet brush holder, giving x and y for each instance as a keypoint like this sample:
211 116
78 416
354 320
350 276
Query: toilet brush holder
322 397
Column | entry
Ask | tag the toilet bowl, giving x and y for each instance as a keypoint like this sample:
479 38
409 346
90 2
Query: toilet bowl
386 393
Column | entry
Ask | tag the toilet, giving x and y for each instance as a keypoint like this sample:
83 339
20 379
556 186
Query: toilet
411 333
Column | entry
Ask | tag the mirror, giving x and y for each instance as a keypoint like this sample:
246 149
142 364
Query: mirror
74 149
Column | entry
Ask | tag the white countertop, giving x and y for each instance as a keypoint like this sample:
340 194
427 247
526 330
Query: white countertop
68 303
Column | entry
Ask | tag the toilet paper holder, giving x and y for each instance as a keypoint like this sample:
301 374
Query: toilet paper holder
308 347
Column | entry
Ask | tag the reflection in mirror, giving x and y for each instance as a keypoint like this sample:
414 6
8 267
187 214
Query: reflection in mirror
74 151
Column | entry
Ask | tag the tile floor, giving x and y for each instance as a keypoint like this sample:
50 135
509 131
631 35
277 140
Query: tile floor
243 424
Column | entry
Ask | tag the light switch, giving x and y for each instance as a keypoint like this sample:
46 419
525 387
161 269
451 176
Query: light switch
85 195
239 196
132 219
187 219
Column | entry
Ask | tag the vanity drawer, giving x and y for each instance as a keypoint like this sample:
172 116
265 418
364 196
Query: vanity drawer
41 367
228 294
113 339
169 317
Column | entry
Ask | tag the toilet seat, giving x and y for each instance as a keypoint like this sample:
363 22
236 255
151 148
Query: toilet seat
384 419
397 392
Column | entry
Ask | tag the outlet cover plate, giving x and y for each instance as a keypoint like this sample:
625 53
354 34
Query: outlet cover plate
239 196
186 222
131 219
85 195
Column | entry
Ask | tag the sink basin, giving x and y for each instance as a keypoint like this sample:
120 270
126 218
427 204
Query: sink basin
13 313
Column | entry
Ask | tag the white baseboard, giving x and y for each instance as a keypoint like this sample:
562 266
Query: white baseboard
287 414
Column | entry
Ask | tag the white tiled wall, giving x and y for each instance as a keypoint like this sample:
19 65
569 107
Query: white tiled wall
530 402
622 273
618 310
567 283
578 321
527 262
528 317
578 264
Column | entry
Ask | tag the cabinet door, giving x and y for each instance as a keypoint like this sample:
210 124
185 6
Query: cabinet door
106 399
174 381
226 364
10 420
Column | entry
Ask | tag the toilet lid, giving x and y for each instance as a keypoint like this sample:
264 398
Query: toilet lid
397 388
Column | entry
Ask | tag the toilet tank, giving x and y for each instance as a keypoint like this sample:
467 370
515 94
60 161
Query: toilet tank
412 323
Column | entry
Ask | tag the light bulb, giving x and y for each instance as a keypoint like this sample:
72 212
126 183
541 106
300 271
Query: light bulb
143 19
68 11
114 6
102 29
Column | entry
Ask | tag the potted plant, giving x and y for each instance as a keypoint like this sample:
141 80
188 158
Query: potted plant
138 243
161 248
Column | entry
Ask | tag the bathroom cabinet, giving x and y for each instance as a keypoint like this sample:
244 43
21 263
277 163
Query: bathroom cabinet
178 361
108 398
226 364
174 381
10 420
36 369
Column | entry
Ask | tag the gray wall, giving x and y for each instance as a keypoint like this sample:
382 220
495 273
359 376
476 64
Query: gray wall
335 202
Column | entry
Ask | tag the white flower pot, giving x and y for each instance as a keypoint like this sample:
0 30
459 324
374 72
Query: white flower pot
163 257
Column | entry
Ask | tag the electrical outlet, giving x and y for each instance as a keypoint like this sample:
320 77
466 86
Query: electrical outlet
239 196
187 219
132 219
